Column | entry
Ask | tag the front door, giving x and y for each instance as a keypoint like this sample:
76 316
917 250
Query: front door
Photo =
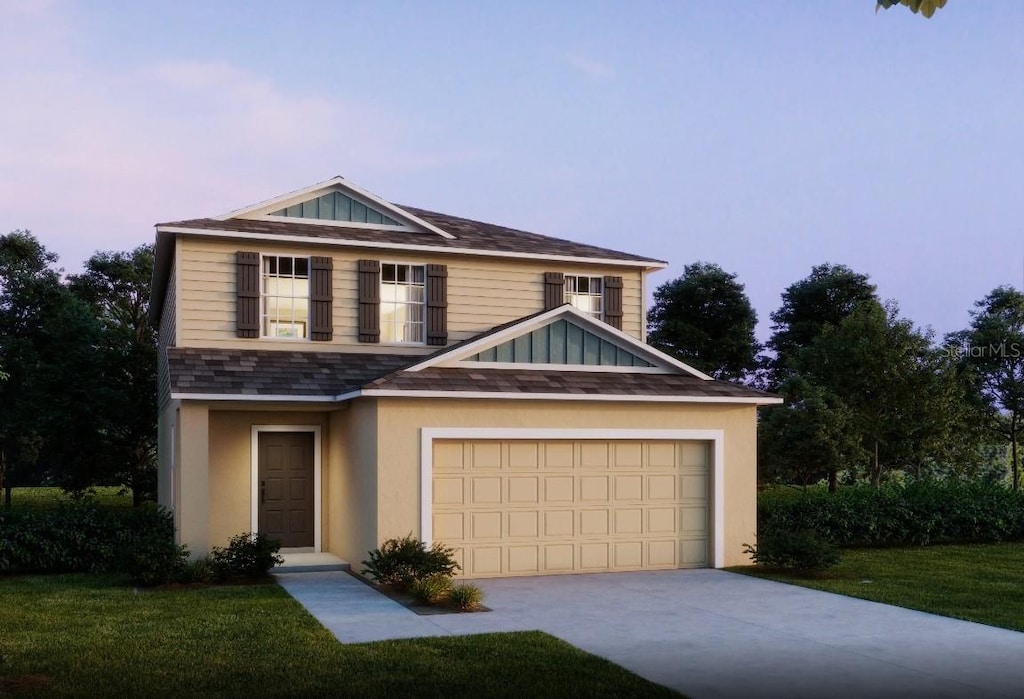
286 487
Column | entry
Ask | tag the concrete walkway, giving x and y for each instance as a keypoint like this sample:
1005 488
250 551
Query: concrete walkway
709 634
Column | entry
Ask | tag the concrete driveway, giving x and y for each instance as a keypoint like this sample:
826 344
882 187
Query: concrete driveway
709 633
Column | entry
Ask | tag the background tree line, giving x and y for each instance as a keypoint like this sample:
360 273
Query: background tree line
868 395
77 370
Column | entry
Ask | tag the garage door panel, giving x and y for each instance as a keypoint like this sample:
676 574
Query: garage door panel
523 489
559 489
528 507
486 491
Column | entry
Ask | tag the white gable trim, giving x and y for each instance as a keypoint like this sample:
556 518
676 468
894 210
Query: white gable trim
433 249
599 397
261 210
600 329
716 437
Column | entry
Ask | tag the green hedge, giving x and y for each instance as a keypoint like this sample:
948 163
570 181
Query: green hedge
919 513
82 537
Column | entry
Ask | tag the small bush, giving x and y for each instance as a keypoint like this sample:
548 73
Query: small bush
247 555
401 561
431 590
466 597
793 550
199 570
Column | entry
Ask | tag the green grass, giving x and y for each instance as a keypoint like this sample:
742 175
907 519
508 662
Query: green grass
977 582
47 497
96 637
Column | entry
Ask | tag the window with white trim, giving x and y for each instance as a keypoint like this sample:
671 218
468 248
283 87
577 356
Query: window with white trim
585 293
284 297
402 300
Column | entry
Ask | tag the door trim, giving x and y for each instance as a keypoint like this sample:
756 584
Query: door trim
716 437
254 469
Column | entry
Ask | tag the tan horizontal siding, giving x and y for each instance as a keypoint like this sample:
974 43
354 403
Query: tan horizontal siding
482 293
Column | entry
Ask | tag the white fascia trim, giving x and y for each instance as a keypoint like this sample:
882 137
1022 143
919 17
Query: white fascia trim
716 437
602 368
252 397
254 469
307 240
601 397
257 211
600 329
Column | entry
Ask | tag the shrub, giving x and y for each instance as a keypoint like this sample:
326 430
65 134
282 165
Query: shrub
401 561
199 570
157 561
466 597
431 590
802 549
918 513
247 555
85 537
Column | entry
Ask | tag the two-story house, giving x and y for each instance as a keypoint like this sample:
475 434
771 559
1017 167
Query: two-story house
336 370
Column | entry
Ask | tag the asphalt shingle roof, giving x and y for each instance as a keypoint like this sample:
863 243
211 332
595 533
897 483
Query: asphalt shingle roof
469 234
329 374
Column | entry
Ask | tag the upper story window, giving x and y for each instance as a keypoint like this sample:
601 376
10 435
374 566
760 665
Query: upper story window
285 297
585 293
402 301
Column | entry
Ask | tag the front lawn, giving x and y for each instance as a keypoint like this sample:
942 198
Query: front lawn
95 637
49 497
977 582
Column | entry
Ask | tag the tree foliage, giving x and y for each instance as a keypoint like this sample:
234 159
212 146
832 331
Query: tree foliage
991 350
78 404
116 287
925 7
824 298
705 319
869 395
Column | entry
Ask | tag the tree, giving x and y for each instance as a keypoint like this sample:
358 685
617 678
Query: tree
992 349
822 299
872 394
925 7
705 319
116 286
810 438
29 287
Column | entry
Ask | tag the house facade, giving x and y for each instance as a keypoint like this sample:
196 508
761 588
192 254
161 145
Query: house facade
336 370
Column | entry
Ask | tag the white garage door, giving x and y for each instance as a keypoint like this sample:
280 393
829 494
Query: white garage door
536 507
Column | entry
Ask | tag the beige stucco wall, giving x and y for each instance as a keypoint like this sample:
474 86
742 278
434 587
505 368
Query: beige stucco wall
229 492
482 293
398 445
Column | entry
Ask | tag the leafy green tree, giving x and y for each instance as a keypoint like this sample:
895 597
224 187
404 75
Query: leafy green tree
824 298
925 7
992 350
29 287
810 438
870 395
116 286
705 319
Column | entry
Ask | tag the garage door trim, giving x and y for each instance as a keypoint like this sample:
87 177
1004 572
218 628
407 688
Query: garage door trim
716 437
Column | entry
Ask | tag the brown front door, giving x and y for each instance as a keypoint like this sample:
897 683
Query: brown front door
286 487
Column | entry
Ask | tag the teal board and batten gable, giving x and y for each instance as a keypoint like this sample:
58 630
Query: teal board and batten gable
561 342
336 206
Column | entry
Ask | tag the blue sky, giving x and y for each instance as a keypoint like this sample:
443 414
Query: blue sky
765 136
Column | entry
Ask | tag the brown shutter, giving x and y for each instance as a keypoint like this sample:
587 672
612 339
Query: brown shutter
247 303
613 302
369 300
320 297
437 305
554 290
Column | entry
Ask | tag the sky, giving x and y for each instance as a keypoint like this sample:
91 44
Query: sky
767 137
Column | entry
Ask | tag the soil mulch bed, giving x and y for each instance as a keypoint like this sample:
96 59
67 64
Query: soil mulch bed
411 603
23 683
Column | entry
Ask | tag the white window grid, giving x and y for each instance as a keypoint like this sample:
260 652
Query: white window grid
585 293
284 297
403 292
